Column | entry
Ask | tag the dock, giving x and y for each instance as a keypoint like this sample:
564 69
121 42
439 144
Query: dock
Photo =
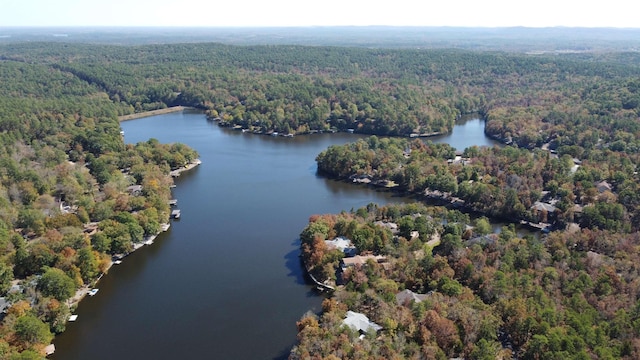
73 318
544 227
173 202
175 214
49 349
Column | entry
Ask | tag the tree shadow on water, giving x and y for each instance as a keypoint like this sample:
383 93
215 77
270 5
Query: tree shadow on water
294 265
284 355
296 268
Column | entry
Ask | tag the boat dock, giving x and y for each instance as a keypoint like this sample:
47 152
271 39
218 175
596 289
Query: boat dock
173 202
175 214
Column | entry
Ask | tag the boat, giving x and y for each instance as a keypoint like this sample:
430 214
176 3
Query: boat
93 292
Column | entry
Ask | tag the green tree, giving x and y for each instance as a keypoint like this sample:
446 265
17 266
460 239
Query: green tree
6 276
87 263
26 355
101 242
31 331
482 226
55 283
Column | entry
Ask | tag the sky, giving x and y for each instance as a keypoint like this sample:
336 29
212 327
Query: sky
258 13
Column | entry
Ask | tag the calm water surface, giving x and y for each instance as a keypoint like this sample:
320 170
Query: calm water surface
225 282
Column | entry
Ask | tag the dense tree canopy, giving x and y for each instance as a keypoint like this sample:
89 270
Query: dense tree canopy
72 193
508 182
528 99
569 295
64 171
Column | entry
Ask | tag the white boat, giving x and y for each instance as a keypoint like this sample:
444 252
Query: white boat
93 292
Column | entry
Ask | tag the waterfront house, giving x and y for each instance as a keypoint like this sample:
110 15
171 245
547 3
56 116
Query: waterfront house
393 227
542 206
545 212
362 260
343 244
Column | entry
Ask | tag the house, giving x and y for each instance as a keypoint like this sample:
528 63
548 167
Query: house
362 260
135 190
406 297
343 244
4 305
360 322
603 186
541 206
545 212
483 240
90 228
361 179
389 225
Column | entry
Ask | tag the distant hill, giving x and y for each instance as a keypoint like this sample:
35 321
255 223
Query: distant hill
516 39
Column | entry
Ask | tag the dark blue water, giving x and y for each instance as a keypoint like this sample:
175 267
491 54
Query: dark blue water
225 282
466 132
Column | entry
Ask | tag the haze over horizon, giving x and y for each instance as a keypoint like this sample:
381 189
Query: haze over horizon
289 13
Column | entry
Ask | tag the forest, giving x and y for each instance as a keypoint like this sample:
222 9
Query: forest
514 184
66 199
73 195
439 285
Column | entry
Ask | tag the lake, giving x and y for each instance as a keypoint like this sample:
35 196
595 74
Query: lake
225 281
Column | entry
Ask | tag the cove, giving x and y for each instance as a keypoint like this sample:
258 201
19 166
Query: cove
225 281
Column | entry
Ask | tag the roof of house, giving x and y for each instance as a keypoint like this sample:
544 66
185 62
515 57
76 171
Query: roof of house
340 243
543 206
360 322
4 304
389 225
407 296
603 186
134 188
362 259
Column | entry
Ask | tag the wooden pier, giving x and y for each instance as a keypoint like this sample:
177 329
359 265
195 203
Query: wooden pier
175 214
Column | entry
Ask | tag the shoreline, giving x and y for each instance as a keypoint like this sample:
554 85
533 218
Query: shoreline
82 292
151 113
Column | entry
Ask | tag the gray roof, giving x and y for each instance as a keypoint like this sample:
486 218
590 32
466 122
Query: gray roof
407 296
360 322
543 206
4 304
